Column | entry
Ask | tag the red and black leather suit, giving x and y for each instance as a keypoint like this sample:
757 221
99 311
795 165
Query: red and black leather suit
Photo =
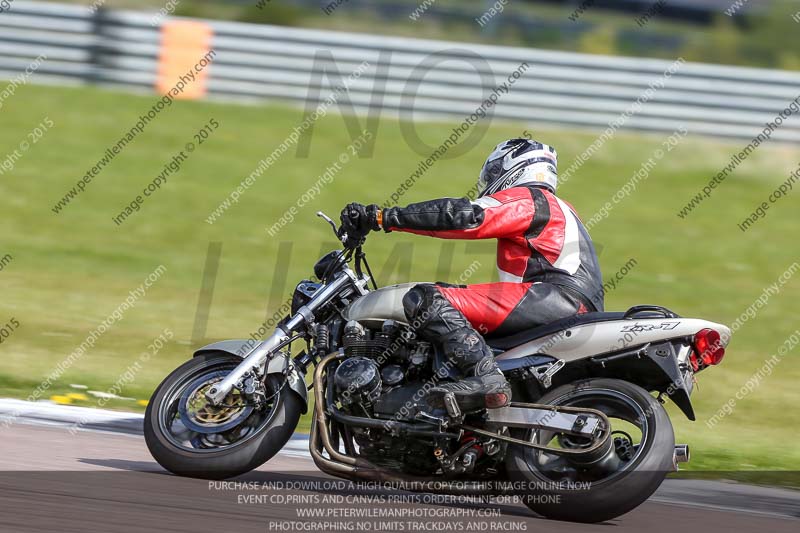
548 267
547 262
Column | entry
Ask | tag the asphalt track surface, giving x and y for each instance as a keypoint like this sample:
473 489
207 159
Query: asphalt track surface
104 480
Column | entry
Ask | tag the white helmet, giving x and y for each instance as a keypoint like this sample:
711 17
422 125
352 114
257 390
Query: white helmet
519 162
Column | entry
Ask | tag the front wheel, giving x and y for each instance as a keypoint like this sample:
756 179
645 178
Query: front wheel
607 487
190 437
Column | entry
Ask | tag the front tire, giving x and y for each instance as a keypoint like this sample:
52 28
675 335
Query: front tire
612 490
263 437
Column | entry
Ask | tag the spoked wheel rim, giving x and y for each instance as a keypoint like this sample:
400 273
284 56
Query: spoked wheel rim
190 423
630 434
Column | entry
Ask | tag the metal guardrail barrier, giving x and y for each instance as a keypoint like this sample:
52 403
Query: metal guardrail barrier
410 77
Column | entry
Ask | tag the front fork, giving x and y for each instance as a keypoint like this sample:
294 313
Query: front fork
258 357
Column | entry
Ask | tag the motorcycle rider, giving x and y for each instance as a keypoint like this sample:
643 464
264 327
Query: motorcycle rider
547 263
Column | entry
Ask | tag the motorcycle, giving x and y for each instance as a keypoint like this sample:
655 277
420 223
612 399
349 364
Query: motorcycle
585 439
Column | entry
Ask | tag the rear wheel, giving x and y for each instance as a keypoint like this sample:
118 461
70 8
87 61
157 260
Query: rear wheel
630 472
190 437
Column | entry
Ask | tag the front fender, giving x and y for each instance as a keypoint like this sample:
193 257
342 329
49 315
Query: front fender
277 365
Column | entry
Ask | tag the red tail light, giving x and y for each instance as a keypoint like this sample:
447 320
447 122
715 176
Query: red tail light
708 345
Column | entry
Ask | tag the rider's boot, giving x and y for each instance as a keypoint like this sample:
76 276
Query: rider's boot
436 320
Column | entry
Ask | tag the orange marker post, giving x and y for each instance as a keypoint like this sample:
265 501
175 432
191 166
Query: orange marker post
183 59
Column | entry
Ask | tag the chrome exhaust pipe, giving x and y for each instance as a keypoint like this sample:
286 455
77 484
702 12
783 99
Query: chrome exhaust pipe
681 454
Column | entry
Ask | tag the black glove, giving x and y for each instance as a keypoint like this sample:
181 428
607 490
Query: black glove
357 221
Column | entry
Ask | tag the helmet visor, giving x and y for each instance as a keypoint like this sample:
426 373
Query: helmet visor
491 172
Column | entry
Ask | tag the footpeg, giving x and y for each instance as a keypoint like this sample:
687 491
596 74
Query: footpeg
451 405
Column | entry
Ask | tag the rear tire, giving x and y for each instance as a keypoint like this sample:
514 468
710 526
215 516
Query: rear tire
619 492
226 462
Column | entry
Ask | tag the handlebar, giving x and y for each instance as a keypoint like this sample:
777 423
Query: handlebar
357 251
330 221
340 236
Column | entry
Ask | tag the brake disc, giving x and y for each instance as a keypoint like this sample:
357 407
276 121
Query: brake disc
199 415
